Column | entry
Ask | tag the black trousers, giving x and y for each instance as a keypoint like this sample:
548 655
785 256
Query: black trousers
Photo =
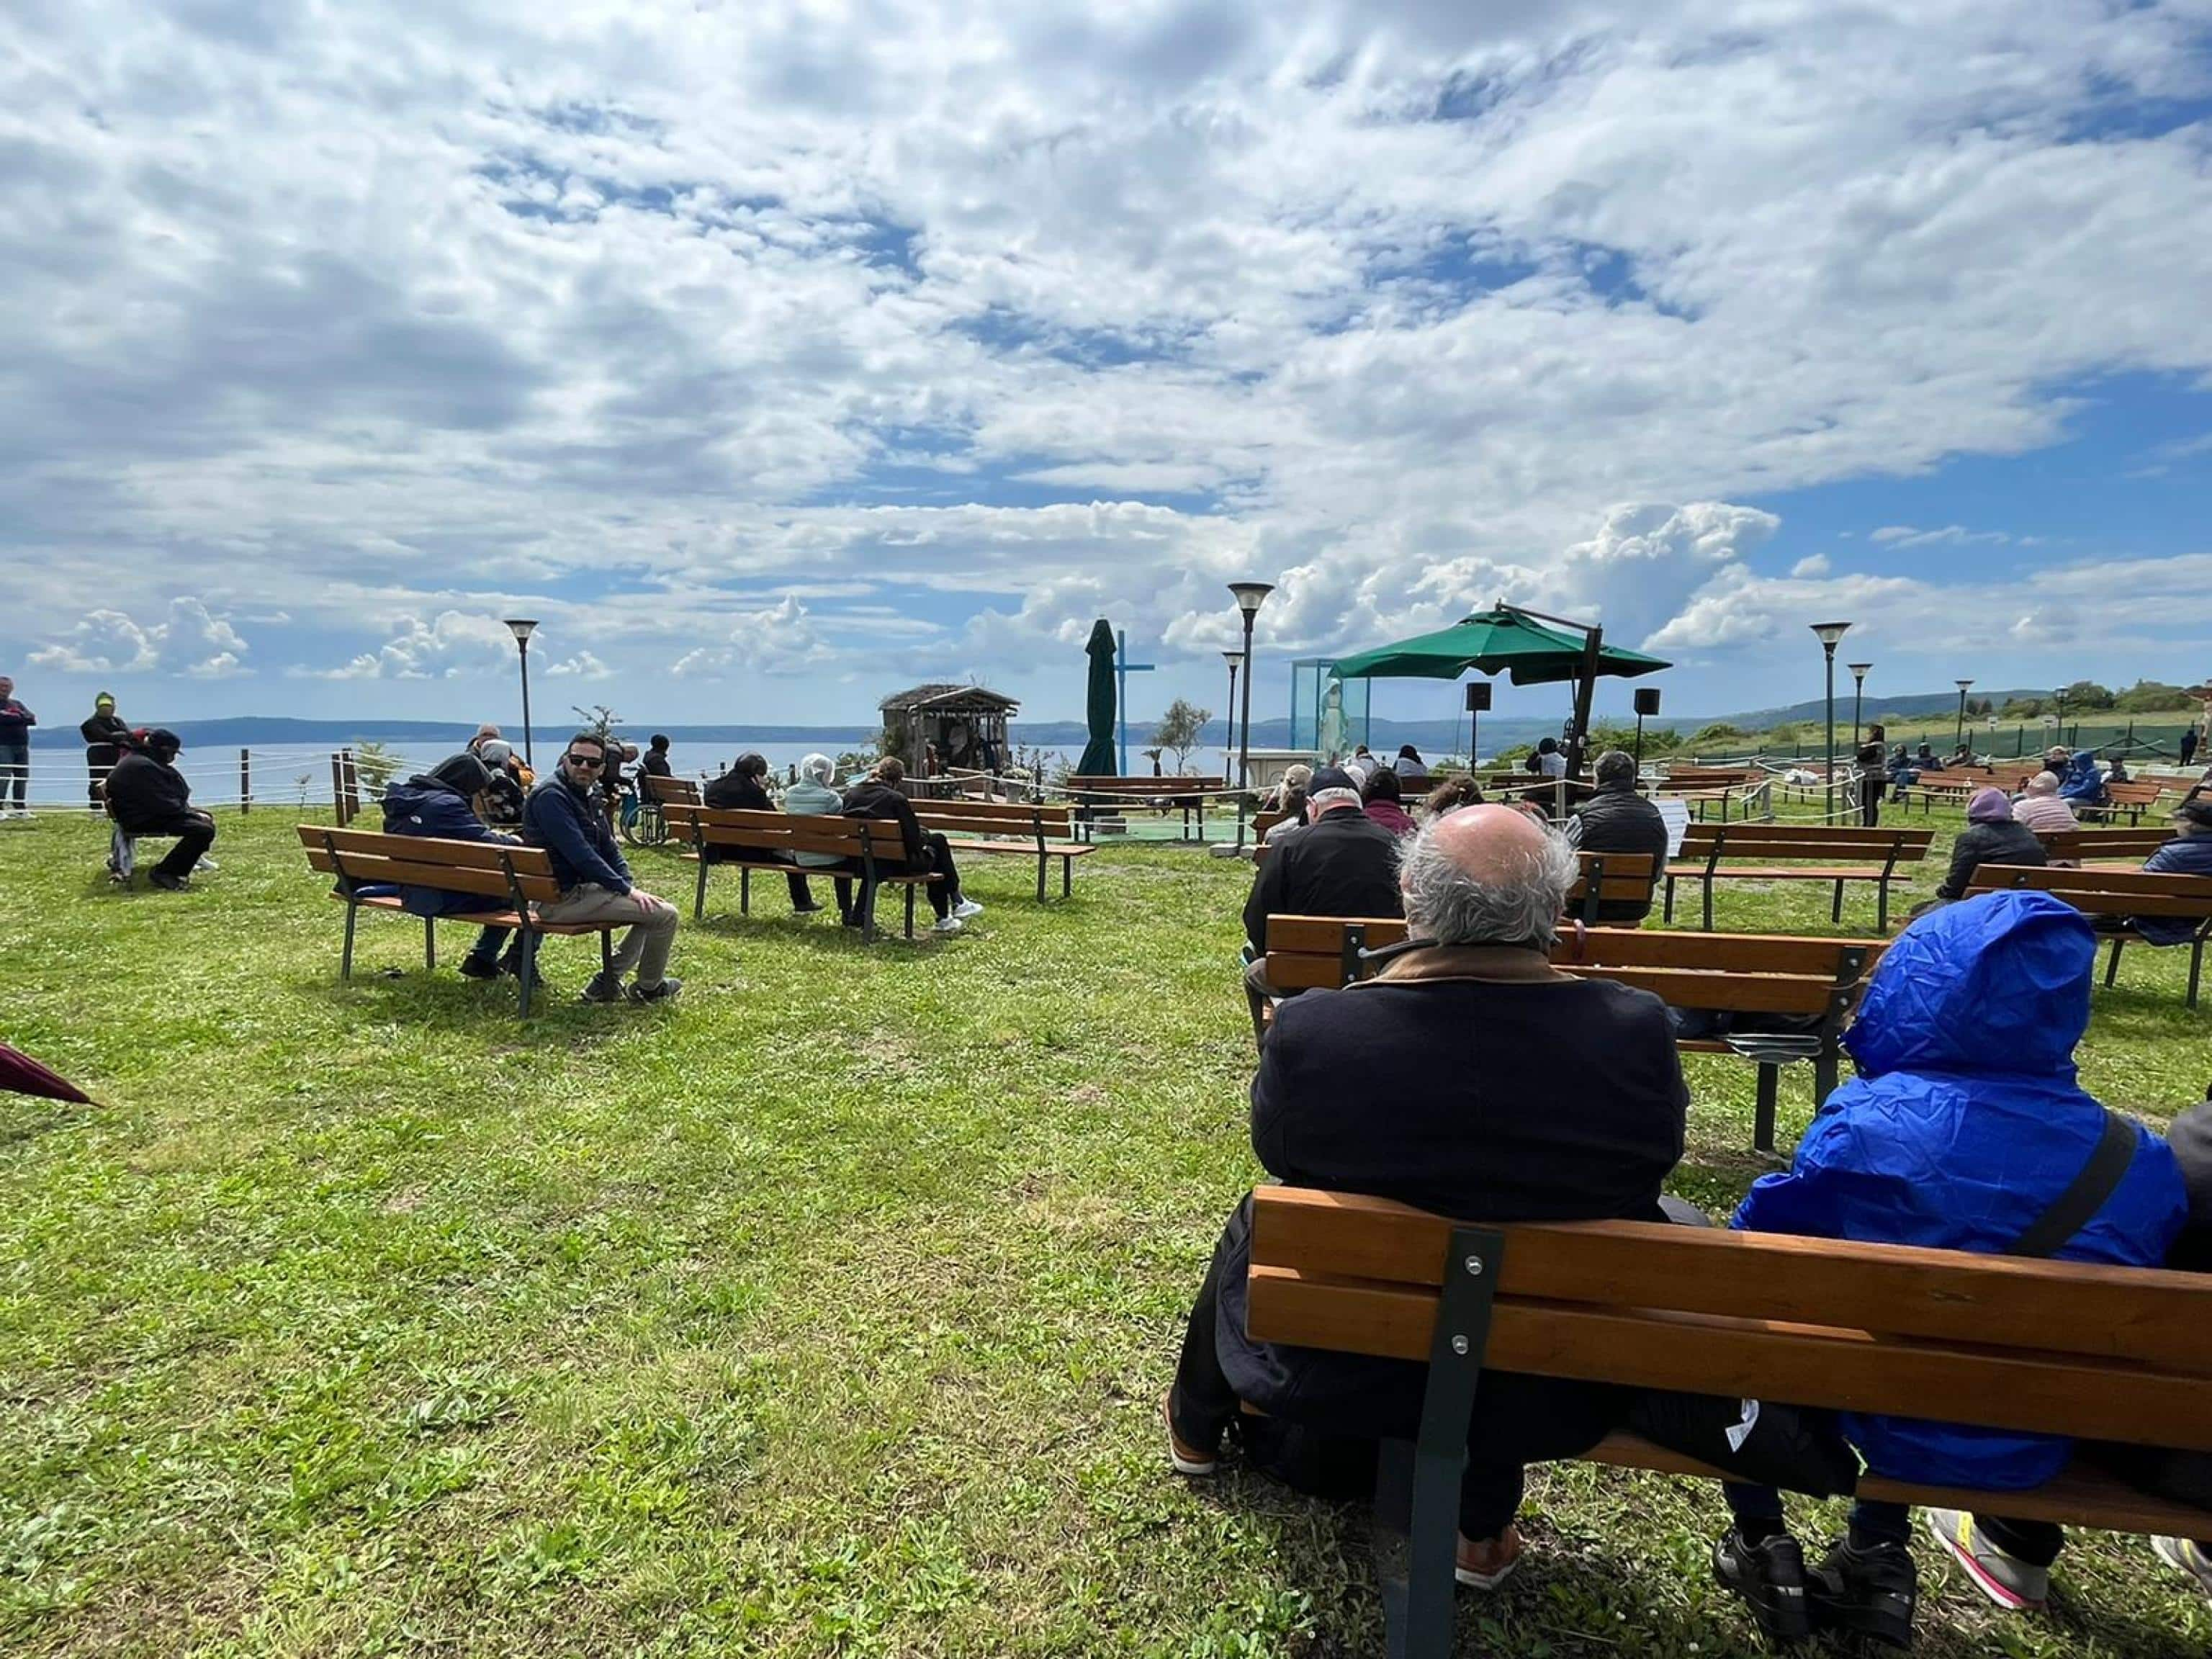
937 858
1517 1419
802 896
1870 793
195 834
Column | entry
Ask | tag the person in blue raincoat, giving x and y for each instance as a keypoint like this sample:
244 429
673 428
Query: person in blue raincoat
1964 1125
2083 784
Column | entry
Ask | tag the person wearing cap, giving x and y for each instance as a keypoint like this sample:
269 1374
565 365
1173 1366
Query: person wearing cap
2189 854
2040 809
1341 863
1991 836
505 794
16 724
105 738
147 796
440 804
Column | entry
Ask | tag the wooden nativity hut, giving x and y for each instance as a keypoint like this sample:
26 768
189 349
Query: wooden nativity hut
965 724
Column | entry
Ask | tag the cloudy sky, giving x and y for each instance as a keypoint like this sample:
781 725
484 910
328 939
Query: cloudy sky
777 356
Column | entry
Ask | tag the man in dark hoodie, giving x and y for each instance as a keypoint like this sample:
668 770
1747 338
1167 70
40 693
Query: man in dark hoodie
563 816
878 796
440 803
147 796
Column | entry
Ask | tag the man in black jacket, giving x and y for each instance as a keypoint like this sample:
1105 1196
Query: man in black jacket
147 796
1616 819
105 738
878 796
1342 864
1576 1113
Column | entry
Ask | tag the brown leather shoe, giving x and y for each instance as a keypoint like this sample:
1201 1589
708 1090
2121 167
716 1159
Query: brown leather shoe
1484 1563
1187 1458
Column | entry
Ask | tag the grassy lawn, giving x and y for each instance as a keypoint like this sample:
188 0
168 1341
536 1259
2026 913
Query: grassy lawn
824 1312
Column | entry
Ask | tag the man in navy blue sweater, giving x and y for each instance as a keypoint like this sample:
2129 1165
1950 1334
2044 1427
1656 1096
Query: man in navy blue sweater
563 818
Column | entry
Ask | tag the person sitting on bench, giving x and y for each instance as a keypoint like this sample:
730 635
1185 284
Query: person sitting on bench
1384 798
814 795
1349 1099
742 789
2083 784
879 795
1616 819
440 803
2189 854
1991 837
1341 863
562 817
655 763
2039 808
147 796
1964 1130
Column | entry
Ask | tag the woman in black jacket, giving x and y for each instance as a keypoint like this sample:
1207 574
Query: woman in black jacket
105 738
1873 776
1990 836
741 789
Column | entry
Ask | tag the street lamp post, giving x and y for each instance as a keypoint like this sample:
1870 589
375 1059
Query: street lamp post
1235 660
1858 695
1958 741
1828 634
1250 597
2061 694
523 628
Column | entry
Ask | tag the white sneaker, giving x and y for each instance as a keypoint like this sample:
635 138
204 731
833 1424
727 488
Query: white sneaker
947 925
966 908
206 863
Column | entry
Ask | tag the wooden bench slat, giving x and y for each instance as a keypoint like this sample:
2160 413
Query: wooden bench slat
2141 1314
465 854
489 918
361 867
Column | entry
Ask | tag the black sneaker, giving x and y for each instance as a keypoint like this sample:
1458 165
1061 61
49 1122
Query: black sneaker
600 988
170 884
1871 1592
1770 1577
666 991
476 967
808 910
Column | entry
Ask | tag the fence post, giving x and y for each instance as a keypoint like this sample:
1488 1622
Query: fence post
244 782
353 786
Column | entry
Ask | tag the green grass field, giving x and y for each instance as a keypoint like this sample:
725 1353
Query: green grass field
824 1312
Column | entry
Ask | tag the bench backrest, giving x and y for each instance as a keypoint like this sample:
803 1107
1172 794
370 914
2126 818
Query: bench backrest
1083 787
496 873
2134 793
1708 777
671 791
2084 844
1830 843
1737 973
2103 892
994 818
786 832
2116 1354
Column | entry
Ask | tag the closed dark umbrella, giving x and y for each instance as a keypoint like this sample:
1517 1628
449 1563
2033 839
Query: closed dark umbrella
1097 760
20 1074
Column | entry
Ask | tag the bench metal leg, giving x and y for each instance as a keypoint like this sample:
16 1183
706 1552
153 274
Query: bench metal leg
430 944
607 951
1669 913
1825 1065
1836 910
867 912
2196 968
1066 876
1881 906
909 909
1762 1127
1709 902
699 898
345 962
527 980
1041 861
2112 964
744 890
1417 1482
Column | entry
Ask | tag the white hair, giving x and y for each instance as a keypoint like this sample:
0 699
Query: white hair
820 767
1325 799
1522 907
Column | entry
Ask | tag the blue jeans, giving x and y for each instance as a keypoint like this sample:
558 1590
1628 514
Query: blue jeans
15 772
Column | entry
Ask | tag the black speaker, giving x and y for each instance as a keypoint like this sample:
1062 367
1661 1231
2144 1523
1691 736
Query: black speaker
1647 700
1478 696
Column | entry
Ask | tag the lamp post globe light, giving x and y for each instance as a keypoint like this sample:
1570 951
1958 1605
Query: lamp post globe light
1249 596
1829 634
522 628
1858 695
1958 741
1235 660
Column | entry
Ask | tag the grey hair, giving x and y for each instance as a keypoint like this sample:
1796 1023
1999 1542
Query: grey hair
1298 777
1616 766
1445 903
1334 798
820 767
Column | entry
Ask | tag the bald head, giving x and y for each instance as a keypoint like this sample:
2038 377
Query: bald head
1486 875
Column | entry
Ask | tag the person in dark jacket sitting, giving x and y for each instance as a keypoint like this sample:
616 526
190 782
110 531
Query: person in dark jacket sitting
1616 819
2189 854
1341 863
1991 836
440 803
879 796
742 789
656 757
1576 1113
147 796
1384 801
105 738
562 816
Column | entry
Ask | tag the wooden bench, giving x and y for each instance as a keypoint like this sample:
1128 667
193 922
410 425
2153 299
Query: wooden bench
1097 796
2093 1353
2133 798
2093 846
1010 829
670 791
1816 979
509 879
1874 856
751 840
2108 892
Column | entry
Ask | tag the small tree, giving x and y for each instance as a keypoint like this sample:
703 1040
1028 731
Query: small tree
375 766
1179 730
598 720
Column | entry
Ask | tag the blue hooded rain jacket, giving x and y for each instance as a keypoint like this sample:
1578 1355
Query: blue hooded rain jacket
1963 1125
2082 781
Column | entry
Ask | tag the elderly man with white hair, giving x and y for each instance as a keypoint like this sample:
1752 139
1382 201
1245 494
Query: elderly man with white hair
1570 1107
1342 864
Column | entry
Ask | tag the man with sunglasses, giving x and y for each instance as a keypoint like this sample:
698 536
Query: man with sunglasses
563 818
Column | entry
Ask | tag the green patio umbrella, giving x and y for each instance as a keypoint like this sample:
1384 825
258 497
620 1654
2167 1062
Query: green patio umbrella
1526 647
1097 760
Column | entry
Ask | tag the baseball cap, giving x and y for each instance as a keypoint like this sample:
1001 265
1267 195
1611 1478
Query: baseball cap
1332 777
2197 811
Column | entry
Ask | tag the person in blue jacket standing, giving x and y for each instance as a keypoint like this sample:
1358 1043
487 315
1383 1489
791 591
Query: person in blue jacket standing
439 803
1962 1131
